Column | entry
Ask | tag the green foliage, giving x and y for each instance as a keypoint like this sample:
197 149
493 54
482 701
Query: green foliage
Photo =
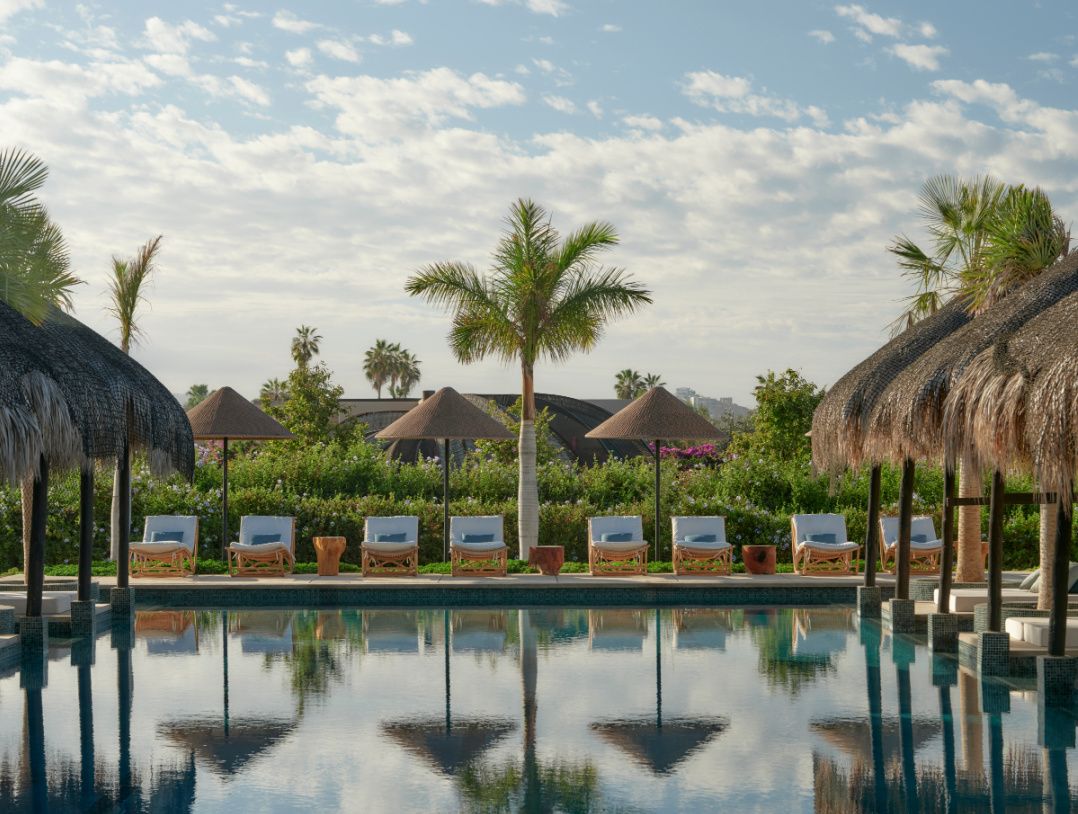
312 406
784 407
196 394
546 448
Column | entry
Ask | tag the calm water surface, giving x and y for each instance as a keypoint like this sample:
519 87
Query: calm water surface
568 709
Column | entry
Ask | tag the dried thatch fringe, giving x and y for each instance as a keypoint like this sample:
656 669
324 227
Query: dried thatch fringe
20 443
60 438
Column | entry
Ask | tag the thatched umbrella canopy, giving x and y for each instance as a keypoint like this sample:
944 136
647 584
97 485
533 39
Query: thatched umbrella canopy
225 415
227 753
450 748
840 422
908 419
660 747
656 415
446 416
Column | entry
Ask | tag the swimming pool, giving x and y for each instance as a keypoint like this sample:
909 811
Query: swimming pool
551 709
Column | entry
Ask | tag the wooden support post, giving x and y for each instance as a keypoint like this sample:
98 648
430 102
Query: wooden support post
948 530
445 500
905 519
35 561
86 531
872 533
995 553
1057 624
123 550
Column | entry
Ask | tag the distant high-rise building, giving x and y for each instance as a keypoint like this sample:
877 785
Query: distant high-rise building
684 393
715 407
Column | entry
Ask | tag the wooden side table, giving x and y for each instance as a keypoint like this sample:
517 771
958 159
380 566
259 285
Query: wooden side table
547 558
329 550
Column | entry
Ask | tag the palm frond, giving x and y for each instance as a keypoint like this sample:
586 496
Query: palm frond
126 289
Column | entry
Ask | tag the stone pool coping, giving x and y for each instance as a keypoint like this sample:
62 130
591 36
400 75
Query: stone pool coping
441 590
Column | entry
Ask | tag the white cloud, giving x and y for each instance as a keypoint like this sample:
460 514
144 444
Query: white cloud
166 38
1043 56
867 24
389 2
395 38
560 103
733 94
927 30
69 86
247 62
822 35
561 77
338 50
610 28
643 123
9 8
920 57
249 91
595 108
522 70
554 8
287 21
373 108
299 57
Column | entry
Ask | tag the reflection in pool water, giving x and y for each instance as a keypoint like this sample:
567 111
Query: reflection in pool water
553 709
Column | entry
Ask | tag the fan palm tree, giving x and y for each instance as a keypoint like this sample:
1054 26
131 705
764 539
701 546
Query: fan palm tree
378 363
125 294
626 383
305 345
406 374
273 390
651 380
987 239
544 298
196 394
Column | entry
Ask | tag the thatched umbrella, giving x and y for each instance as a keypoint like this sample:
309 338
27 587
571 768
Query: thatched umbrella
656 415
226 415
446 416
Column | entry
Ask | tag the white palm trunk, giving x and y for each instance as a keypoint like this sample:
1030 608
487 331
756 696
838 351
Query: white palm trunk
114 531
27 509
1049 524
970 560
527 490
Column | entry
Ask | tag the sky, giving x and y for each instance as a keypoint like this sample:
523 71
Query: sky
302 160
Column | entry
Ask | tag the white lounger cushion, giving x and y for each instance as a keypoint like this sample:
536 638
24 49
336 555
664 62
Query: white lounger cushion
827 546
1034 629
389 548
621 545
963 600
807 524
188 524
51 601
261 548
476 524
494 545
918 526
251 524
616 524
405 524
718 545
686 525
158 548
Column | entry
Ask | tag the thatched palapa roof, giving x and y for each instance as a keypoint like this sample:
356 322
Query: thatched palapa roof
227 414
840 423
656 414
908 419
1016 403
446 414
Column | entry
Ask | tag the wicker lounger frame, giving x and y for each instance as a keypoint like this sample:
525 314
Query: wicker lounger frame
279 562
919 563
702 561
463 563
175 562
617 563
399 564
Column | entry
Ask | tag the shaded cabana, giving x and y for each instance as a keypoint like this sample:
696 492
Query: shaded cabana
226 416
445 416
654 416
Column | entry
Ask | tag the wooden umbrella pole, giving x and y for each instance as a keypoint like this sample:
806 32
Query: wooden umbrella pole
86 532
905 520
947 558
1057 623
224 501
995 552
872 532
658 498
445 499
123 548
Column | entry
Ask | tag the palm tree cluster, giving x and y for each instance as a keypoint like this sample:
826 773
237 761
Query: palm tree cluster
35 268
388 363
544 297
630 384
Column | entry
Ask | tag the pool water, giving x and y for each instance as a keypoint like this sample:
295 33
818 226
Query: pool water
567 709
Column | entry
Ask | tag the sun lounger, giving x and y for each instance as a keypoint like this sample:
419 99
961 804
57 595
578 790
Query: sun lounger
476 631
700 545
964 600
616 545
51 601
390 546
266 547
169 547
391 631
925 546
1035 630
820 544
617 629
477 546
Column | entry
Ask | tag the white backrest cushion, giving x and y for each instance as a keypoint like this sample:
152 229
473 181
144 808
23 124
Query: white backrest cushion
409 524
700 524
918 525
187 523
252 524
476 524
806 524
615 524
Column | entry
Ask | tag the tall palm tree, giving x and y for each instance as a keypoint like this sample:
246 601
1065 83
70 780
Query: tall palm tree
305 345
651 380
987 239
125 294
406 370
626 383
377 362
196 394
544 298
273 390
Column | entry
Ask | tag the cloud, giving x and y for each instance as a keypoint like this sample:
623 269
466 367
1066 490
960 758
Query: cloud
610 28
561 77
249 91
560 104
927 30
920 57
867 24
595 108
822 35
338 50
174 39
9 8
1043 56
299 57
733 94
395 38
643 123
374 108
247 62
554 8
287 21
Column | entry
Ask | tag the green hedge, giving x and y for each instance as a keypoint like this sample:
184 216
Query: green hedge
331 489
